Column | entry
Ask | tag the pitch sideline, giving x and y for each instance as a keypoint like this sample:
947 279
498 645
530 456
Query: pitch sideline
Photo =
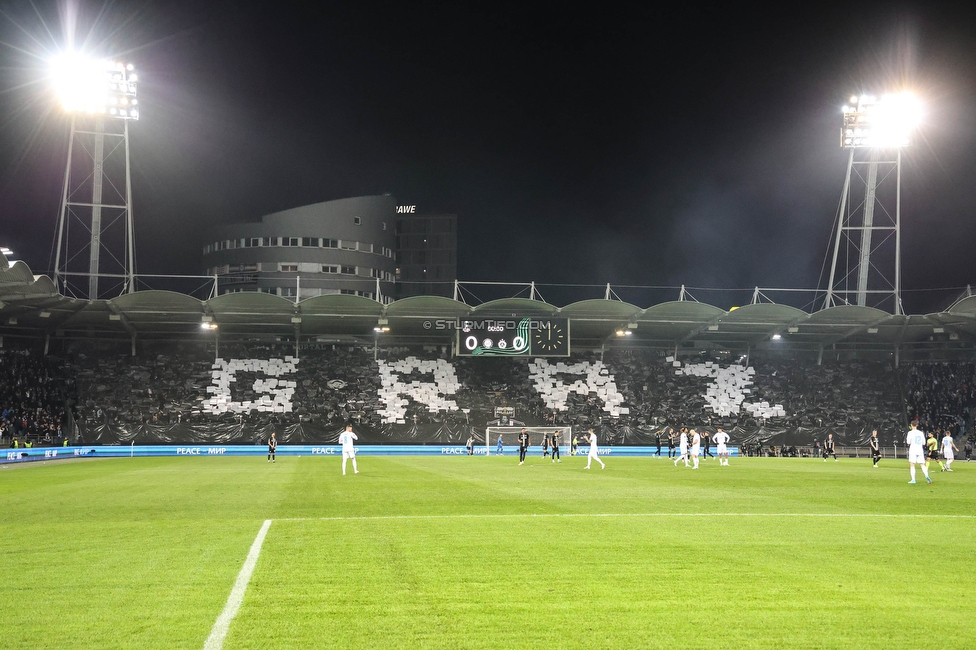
221 626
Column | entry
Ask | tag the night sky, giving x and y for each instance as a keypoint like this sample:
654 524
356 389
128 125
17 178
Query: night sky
694 145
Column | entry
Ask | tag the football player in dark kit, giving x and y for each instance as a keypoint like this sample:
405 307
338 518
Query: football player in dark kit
523 440
875 447
272 445
706 443
657 439
828 449
670 443
555 447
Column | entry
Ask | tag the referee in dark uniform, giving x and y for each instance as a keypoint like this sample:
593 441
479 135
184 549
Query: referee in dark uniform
523 440
875 447
272 445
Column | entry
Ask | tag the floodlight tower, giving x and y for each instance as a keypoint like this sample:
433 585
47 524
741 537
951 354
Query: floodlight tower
96 199
874 131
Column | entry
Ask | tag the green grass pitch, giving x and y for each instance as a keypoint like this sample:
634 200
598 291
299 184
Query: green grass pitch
459 552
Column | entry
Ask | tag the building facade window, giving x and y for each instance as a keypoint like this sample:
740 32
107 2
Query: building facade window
326 264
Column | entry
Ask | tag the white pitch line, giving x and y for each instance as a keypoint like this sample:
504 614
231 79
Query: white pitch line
219 632
632 514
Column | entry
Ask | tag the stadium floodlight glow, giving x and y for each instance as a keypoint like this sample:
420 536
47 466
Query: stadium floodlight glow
6 251
880 123
93 86
99 95
878 128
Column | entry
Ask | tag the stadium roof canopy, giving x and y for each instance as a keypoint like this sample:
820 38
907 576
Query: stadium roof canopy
30 306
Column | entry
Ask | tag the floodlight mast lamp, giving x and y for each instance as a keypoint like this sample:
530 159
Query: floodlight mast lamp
100 96
876 126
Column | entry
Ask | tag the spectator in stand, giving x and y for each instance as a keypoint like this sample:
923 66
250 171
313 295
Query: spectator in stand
940 395
33 394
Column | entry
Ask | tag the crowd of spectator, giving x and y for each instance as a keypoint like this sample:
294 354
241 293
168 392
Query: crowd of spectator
941 396
163 384
337 384
851 394
34 392
166 383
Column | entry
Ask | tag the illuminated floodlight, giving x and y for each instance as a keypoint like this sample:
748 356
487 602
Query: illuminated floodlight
880 123
94 86
777 337
6 251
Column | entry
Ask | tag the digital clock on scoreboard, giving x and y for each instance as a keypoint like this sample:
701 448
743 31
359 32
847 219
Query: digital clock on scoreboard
514 337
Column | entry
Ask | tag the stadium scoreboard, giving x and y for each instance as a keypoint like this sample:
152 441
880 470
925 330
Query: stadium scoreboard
514 337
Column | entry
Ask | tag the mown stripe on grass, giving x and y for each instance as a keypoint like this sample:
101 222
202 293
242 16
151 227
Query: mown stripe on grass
219 632
527 515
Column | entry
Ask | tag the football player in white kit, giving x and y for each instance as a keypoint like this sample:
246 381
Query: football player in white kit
591 438
721 438
346 439
682 447
948 447
916 453
695 447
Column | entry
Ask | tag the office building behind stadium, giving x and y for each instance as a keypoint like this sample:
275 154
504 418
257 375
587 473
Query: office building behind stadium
357 246
345 246
426 253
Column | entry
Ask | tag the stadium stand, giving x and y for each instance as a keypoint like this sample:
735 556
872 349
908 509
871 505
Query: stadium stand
162 385
846 397
941 396
419 393
34 394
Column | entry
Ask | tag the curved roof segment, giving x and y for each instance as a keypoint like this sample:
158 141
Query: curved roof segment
30 306
600 309
965 306
514 306
427 307
17 279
